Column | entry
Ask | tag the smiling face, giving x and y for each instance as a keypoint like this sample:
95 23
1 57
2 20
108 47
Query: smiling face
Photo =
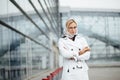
71 27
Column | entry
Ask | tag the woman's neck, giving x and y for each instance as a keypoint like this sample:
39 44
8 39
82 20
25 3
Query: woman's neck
73 38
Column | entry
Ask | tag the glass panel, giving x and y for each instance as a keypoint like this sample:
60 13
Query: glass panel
27 40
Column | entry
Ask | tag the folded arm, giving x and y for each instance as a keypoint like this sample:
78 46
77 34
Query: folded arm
84 54
65 52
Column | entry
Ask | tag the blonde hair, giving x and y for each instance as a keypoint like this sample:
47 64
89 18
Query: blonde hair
70 21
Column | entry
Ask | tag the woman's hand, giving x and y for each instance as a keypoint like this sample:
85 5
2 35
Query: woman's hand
84 50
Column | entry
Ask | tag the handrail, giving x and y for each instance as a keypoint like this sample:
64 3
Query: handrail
47 16
15 3
10 27
39 14
49 11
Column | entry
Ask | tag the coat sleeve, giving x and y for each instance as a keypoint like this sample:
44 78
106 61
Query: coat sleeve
64 50
86 55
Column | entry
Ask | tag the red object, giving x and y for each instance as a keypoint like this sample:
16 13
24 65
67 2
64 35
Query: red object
45 79
53 74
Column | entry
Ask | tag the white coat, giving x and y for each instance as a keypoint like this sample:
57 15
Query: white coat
74 69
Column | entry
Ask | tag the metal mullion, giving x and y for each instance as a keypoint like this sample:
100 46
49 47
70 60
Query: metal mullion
49 19
1 40
60 30
39 14
10 27
50 12
53 11
51 15
28 17
57 12
47 15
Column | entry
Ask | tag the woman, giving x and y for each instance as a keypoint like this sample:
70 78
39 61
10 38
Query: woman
75 51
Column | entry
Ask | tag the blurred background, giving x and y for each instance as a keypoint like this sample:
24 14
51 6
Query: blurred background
30 29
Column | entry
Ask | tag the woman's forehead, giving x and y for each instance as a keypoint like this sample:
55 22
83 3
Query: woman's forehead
69 22
72 24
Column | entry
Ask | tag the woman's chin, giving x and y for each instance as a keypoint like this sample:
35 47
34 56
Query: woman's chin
72 33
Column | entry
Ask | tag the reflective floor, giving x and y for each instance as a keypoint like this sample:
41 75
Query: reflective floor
111 73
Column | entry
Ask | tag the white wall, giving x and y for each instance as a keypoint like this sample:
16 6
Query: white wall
92 4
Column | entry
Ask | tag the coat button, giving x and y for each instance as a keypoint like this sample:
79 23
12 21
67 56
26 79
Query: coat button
68 70
73 67
71 49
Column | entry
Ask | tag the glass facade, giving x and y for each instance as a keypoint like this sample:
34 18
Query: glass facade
28 38
29 33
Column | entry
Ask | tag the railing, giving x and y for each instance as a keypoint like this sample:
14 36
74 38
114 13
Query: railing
56 75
